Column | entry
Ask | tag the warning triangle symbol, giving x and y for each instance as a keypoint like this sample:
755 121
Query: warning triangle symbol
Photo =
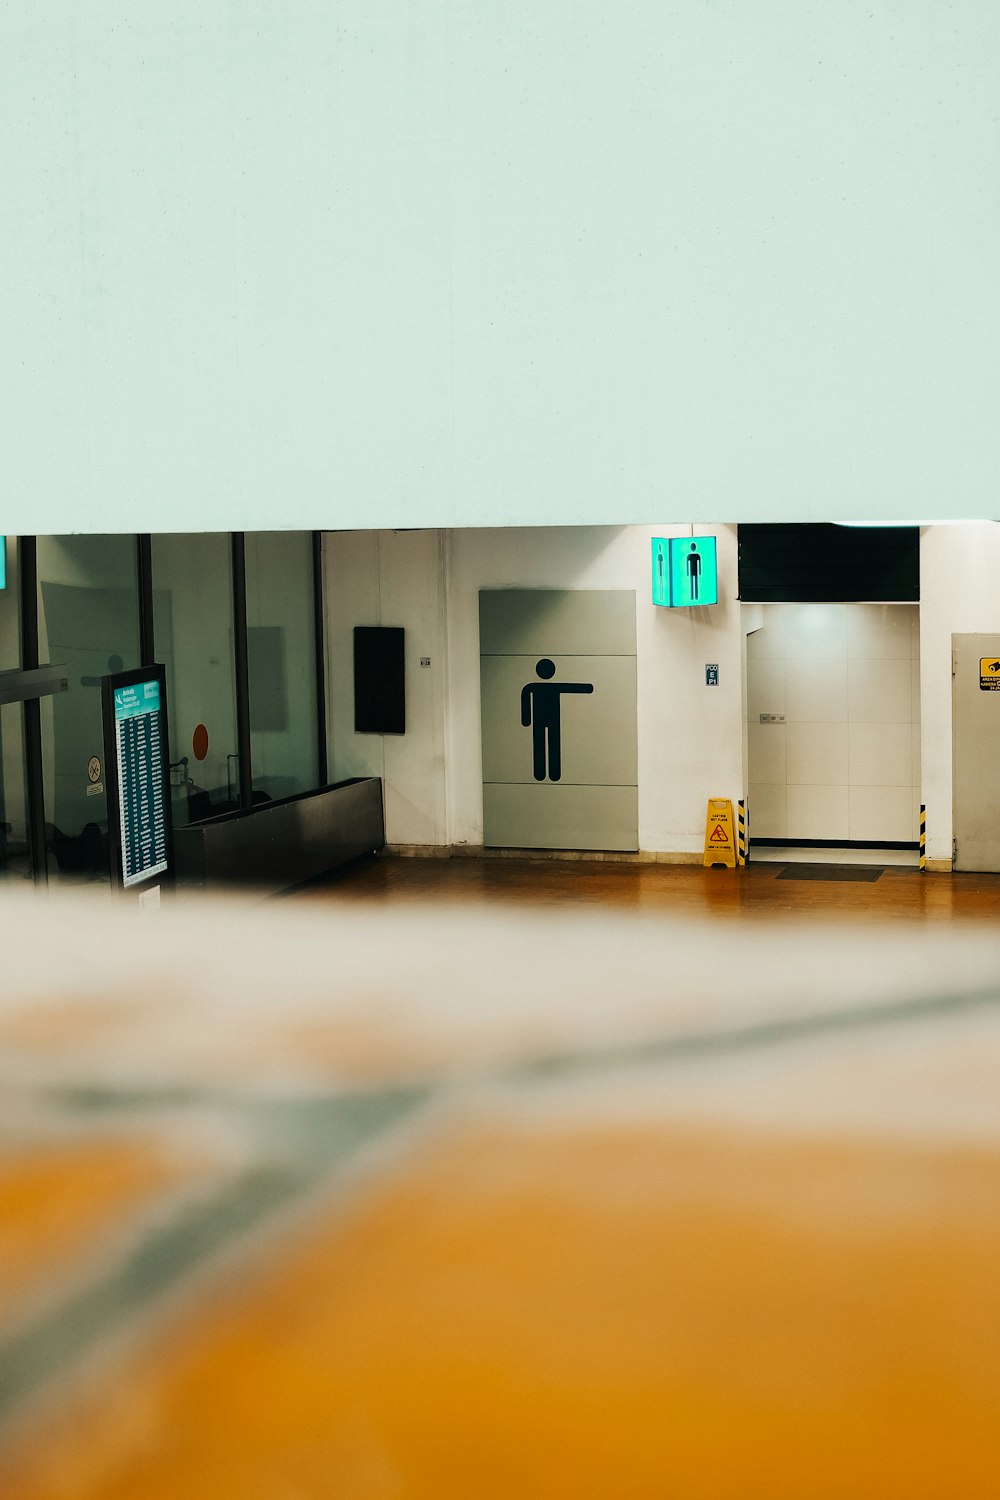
718 835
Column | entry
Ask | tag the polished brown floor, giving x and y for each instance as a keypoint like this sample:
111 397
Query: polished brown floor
755 891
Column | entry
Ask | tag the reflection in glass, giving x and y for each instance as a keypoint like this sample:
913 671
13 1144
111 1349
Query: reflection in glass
15 850
88 619
15 856
193 631
281 650
10 630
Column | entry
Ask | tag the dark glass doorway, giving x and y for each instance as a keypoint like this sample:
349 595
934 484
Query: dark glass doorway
15 847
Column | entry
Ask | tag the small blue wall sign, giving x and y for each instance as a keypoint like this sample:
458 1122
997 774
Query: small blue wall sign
711 674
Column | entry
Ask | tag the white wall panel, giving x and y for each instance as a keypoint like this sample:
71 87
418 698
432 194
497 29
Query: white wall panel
765 686
879 691
879 632
382 264
767 809
881 755
816 689
816 812
813 631
768 753
817 754
882 812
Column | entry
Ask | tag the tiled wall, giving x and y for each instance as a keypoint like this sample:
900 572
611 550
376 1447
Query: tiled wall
845 764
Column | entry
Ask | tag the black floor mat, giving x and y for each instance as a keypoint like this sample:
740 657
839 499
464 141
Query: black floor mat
831 872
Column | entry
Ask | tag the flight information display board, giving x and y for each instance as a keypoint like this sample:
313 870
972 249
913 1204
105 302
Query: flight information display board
138 774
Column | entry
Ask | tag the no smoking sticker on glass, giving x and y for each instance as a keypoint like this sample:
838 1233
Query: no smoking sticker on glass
989 674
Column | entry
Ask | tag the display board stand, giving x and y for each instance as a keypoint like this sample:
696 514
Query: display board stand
137 777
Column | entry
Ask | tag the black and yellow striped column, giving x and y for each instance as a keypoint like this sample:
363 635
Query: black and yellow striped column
923 836
742 847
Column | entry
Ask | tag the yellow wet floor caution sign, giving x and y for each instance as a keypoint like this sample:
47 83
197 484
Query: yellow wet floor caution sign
720 843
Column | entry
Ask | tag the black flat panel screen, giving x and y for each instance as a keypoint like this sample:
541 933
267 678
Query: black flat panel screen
826 564
379 695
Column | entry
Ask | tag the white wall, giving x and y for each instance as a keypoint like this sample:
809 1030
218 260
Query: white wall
959 594
388 578
690 736
845 763
378 263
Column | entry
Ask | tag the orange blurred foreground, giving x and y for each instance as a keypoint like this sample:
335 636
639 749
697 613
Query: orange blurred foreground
636 1229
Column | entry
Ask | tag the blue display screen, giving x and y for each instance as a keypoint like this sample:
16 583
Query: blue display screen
140 747
137 698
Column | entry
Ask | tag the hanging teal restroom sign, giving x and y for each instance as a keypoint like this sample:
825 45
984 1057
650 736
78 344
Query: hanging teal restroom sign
685 572
694 578
661 571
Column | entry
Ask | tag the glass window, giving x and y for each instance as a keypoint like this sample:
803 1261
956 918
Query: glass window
281 653
88 619
193 632
15 850
15 855
10 622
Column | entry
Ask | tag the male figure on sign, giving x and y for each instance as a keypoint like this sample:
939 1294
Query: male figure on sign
692 564
541 709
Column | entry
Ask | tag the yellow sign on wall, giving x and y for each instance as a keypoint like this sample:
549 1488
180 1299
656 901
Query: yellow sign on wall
989 674
720 840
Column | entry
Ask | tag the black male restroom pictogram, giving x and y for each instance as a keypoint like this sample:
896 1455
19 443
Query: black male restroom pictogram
692 566
541 711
